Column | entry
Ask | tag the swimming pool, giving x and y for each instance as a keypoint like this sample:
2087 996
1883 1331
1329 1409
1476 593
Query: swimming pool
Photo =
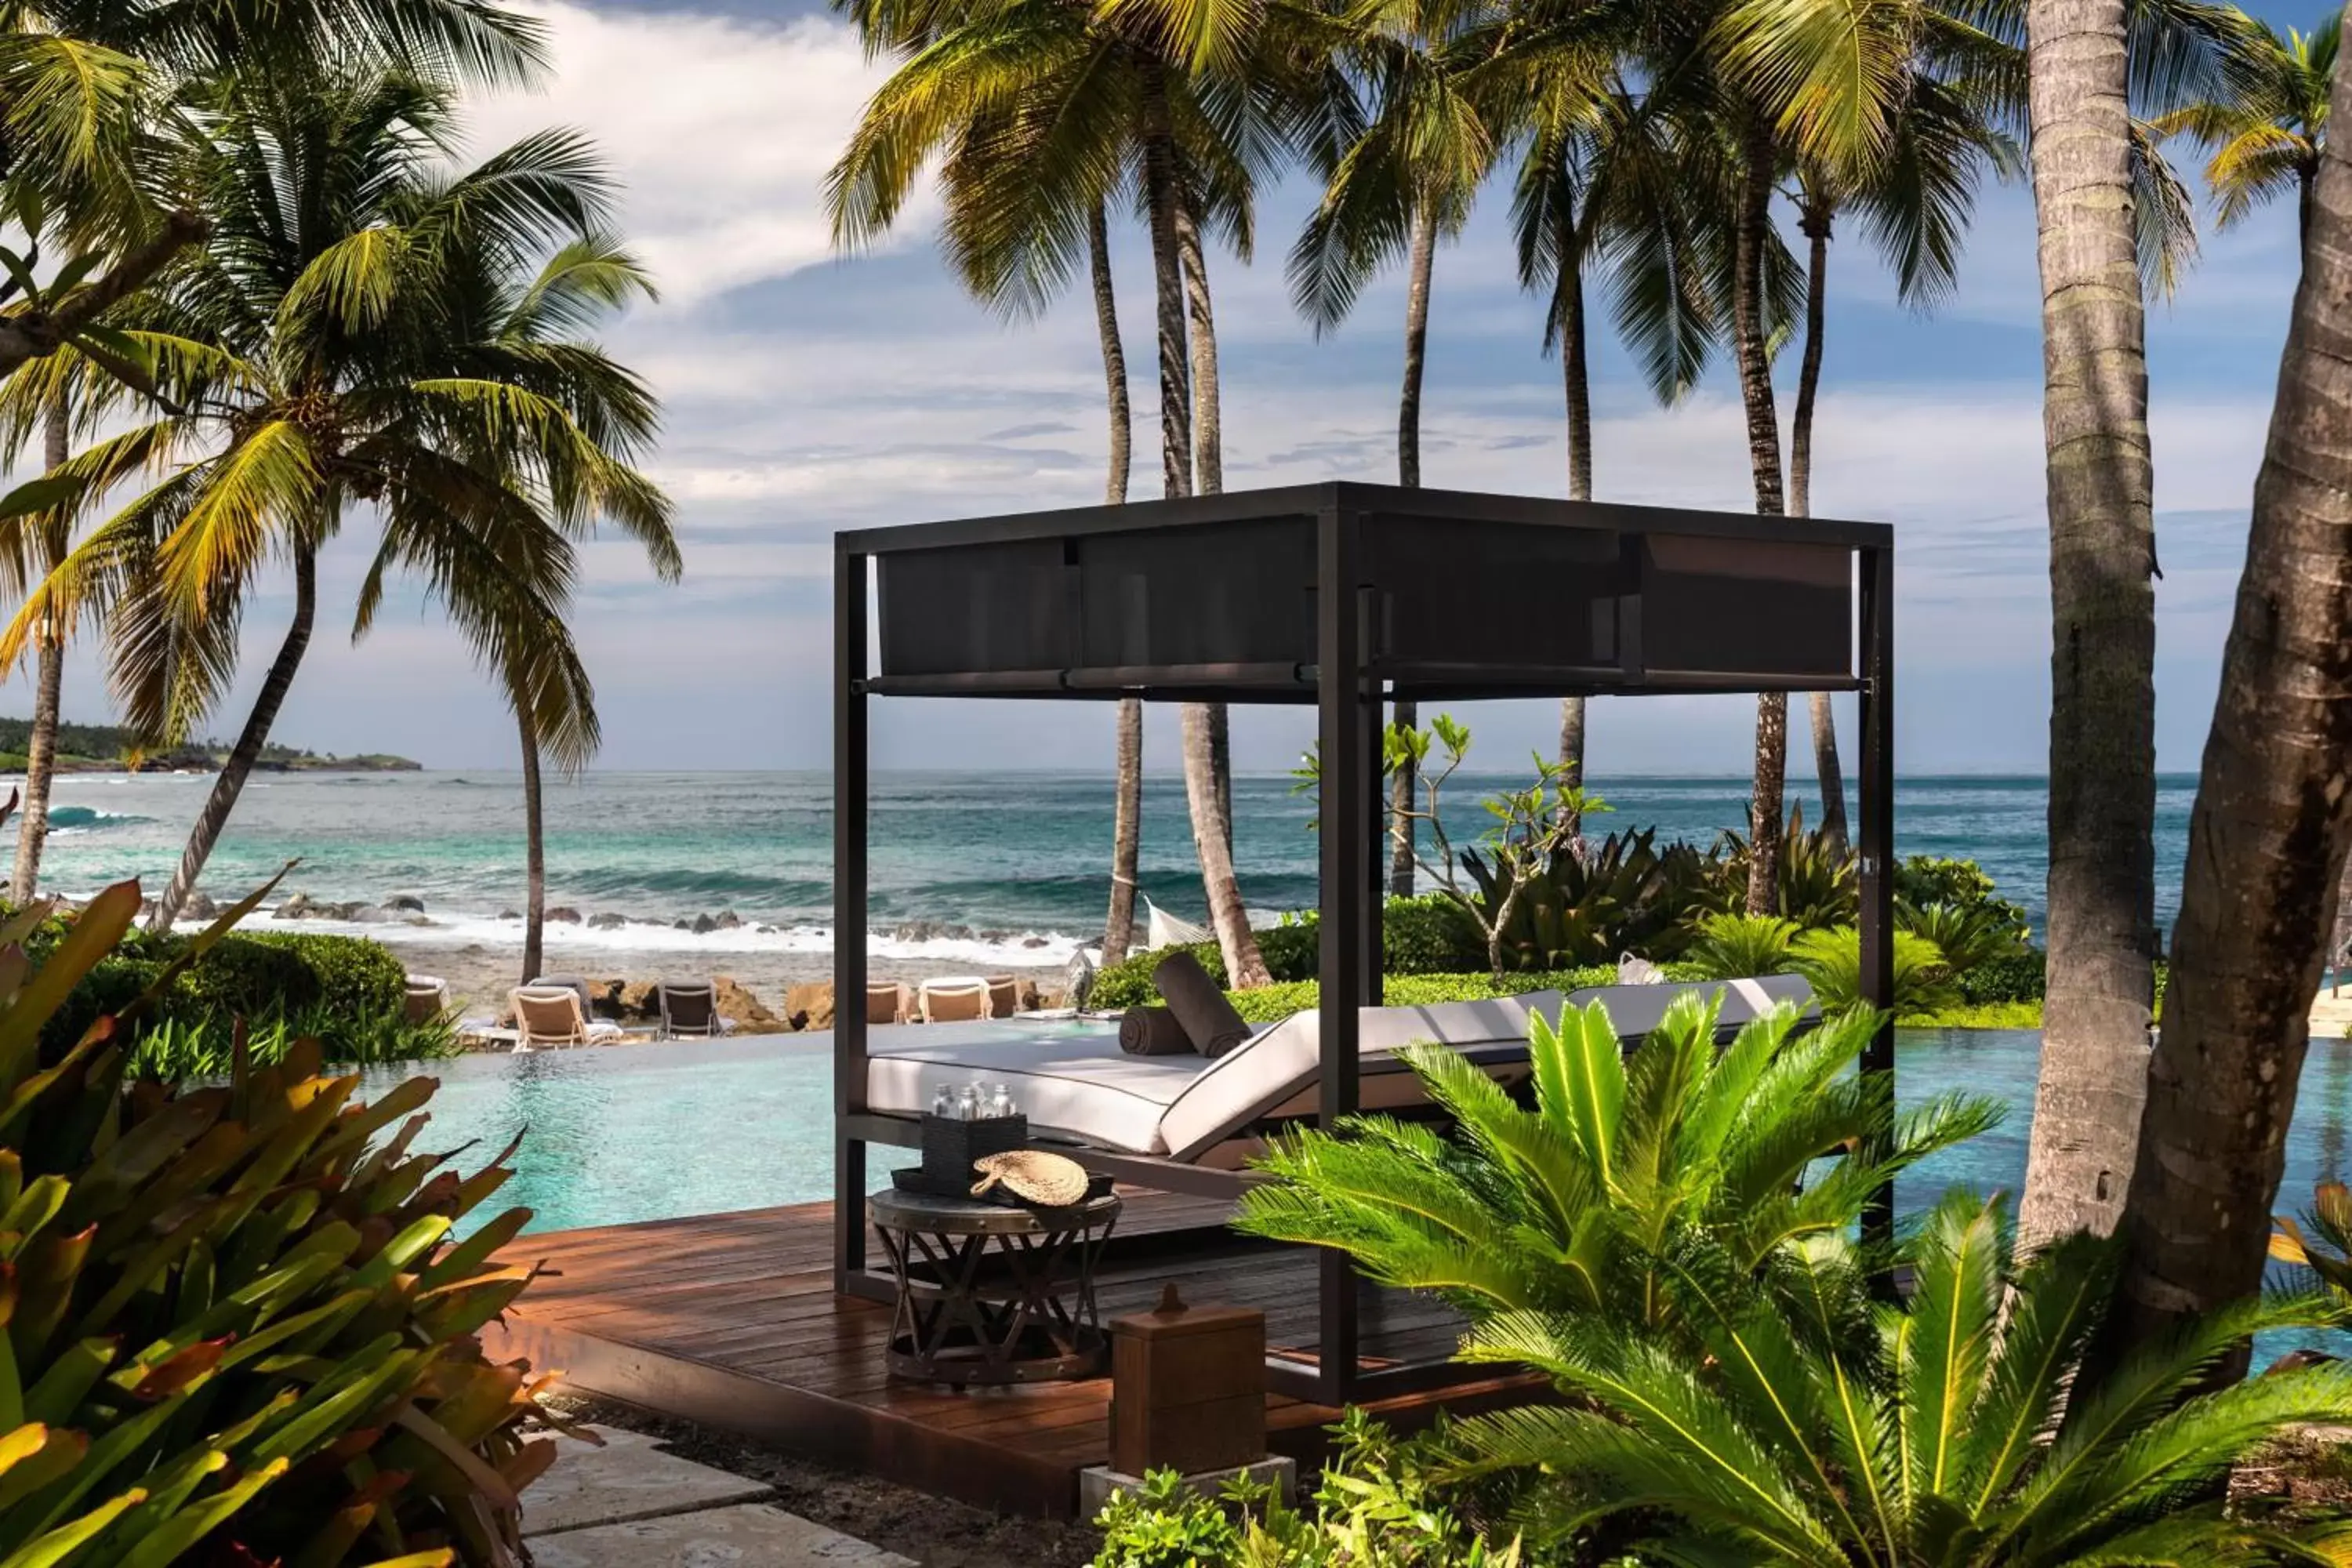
630 1132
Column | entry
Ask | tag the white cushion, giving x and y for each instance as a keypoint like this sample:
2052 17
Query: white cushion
1636 1010
1066 1075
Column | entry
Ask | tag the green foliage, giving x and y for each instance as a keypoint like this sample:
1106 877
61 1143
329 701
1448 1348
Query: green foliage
1421 936
170 1047
1622 895
1931 879
1733 946
234 1323
1796 1419
1820 880
1967 935
2323 1242
1270 1004
1575 1203
2014 977
1381 1503
346 991
1831 961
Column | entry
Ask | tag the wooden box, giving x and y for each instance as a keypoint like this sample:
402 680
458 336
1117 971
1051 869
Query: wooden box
951 1145
1188 1388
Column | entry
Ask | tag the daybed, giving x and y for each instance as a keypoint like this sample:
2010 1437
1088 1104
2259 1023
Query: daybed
1074 1082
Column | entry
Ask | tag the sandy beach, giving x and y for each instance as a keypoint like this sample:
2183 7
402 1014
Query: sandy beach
479 974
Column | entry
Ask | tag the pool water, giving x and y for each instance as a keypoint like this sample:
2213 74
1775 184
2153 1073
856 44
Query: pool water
632 1132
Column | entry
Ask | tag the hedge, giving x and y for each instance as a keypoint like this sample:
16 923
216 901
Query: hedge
1427 935
259 976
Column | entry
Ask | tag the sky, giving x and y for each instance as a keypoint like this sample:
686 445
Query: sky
806 391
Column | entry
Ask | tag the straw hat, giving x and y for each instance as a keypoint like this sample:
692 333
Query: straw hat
1033 1177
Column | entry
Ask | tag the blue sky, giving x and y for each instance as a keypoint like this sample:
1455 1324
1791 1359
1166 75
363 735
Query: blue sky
806 392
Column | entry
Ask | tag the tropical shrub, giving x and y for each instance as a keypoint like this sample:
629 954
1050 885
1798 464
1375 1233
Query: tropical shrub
1820 880
1798 1420
2326 1249
236 1322
1595 902
1420 936
2015 977
171 1049
1831 961
1967 935
347 991
1573 1204
1271 1004
1381 1503
1923 880
1732 946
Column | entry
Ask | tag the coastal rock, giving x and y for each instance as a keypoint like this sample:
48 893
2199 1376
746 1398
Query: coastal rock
406 903
929 931
605 919
563 915
1033 941
509 914
809 1005
199 908
727 920
292 908
704 925
740 1008
681 924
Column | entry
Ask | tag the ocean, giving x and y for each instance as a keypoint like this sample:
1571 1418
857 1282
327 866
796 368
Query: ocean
1007 866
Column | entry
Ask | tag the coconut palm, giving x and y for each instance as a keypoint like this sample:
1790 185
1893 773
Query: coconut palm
1039 114
1575 1203
2256 907
533 324
2267 132
331 369
1405 182
1812 1426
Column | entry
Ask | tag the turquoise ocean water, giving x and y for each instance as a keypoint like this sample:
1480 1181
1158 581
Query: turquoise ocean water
986 862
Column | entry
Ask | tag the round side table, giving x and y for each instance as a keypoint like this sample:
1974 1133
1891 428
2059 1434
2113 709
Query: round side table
991 1294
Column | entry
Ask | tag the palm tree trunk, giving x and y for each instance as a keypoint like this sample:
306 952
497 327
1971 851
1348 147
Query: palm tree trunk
1208 457
41 750
1126 832
2266 838
1816 224
1577 374
1422 260
1127 816
534 834
2102 888
1212 838
249 741
1752 231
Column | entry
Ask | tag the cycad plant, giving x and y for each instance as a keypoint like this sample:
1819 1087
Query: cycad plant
1572 1205
1831 961
1732 946
1798 1420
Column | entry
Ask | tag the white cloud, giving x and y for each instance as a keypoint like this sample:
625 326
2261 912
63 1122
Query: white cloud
721 128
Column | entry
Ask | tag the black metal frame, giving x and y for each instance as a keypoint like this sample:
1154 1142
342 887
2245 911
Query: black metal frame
1348 682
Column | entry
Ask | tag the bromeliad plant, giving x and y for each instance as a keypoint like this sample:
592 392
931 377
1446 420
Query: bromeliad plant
1810 1424
234 1323
1574 1204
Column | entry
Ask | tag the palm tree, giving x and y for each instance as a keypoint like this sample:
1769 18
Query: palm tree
1404 182
2269 130
331 368
1041 112
1813 1426
532 324
2266 842
1127 815
82 181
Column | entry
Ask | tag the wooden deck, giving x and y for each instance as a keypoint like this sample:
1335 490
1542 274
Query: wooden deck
731 1321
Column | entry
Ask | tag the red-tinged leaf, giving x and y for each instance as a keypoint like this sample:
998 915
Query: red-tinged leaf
182 1368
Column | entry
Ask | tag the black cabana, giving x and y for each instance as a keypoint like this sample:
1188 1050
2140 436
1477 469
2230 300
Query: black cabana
1440 595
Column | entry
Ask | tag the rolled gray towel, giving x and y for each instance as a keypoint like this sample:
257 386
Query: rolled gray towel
1153 1032
1209 1019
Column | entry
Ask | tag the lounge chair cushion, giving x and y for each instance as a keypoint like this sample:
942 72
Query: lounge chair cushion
1071 1076
1636 1010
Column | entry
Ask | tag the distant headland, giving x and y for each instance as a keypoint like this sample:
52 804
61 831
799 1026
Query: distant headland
110 748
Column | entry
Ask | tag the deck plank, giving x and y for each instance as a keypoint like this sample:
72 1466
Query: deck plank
731 1321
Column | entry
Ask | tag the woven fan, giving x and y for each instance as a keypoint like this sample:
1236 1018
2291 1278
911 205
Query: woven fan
1033 1177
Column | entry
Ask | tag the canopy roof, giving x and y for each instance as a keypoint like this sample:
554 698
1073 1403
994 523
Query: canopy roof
1461 596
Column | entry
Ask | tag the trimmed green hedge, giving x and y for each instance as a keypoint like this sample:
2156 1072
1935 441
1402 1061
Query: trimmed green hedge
341 985
1427 935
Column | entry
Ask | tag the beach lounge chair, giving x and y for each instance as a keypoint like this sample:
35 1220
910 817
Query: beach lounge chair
1004 997
690 1009
425 998
570 981
886 1003
952 1001
554 1015
1074 1082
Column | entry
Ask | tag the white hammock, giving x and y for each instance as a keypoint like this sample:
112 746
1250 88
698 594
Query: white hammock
1164 930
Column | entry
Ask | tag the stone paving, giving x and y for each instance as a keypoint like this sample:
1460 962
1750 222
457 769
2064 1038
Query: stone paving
629 1505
